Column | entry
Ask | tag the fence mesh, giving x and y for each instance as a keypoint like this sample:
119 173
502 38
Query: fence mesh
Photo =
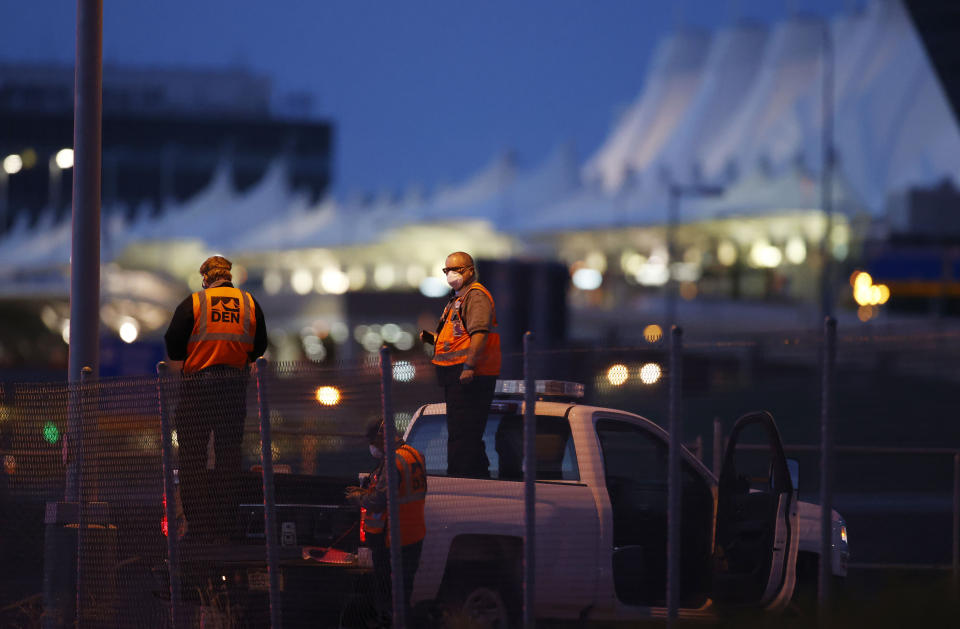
602 493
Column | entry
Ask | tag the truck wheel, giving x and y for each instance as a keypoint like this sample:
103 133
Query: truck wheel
481 606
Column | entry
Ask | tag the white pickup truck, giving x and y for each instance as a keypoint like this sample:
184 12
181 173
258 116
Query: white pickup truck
601 518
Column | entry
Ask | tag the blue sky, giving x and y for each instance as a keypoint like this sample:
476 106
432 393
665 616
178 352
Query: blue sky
421 92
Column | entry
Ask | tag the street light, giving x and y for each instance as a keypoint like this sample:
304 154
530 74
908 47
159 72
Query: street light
61 160
677 192
12 164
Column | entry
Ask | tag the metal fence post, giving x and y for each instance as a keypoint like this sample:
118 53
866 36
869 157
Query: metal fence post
956 524
269 501
83 488
826 467
529 484
393 509
169 496
717 446
674 487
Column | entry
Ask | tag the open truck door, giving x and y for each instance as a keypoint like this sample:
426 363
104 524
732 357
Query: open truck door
757 525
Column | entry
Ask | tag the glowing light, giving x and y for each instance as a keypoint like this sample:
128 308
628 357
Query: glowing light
726 253
65 331
415 275
863 292
404 341
129 330
617 374
587 279
764 255
653 333
371 341
404 371
653 273
796 250
339 332
390 332
865 313
357 277
334 281
650 373
884 293
631 262
272 282
51 434
49 317
301 281
12 164
596 260
384 276
433 287
328 396
64 158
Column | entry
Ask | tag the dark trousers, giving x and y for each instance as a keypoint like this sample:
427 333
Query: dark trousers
409 558
213 400
468 406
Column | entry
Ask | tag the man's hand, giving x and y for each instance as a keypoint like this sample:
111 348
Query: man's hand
354 493
428 337
466 376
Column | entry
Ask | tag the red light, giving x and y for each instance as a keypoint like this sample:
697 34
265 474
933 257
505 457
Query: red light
363 529
163 522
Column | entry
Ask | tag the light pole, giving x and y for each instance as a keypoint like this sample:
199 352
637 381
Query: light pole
826 177
12 164
677 192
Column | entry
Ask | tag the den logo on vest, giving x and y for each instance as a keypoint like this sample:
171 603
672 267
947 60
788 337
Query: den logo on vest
225 309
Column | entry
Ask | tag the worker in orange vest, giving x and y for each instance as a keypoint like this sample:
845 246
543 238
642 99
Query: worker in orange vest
411 496
467 359
217 332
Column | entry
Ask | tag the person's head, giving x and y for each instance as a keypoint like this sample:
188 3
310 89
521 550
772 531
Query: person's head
214 269
374 434
459 270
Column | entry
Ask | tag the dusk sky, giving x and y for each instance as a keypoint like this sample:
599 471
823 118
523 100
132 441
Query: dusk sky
420 92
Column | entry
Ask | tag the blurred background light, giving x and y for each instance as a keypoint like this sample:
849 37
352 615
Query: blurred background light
650 373
328 396
617 374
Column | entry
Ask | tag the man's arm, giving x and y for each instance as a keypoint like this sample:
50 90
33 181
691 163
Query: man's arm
478 319
260 336
181 327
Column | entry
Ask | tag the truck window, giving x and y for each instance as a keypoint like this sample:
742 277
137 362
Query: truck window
503 437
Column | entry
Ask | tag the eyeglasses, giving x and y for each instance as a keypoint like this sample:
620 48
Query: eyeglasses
458 269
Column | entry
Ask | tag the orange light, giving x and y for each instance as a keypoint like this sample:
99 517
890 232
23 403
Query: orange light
653 333
328 396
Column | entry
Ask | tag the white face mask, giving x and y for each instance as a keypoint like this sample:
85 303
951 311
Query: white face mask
455 280
375 452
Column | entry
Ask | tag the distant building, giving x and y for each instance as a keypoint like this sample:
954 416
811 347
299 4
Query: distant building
164 132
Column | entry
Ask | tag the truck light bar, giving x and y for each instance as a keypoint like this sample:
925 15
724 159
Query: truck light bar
558 388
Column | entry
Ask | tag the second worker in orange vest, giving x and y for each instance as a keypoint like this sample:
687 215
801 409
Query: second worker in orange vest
467 358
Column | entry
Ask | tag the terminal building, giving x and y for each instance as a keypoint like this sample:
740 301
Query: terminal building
731 179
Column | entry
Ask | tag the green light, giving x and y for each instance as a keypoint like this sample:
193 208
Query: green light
51 433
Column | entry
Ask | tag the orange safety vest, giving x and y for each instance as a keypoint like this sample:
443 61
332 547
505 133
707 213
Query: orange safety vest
453 342
224 324
411 495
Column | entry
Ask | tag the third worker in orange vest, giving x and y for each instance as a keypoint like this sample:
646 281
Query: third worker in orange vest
467 358
411 495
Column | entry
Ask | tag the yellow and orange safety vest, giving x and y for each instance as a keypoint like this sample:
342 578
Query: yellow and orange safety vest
453 341
224 325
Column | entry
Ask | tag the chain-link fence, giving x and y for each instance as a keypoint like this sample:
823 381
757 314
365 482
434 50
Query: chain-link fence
84 467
